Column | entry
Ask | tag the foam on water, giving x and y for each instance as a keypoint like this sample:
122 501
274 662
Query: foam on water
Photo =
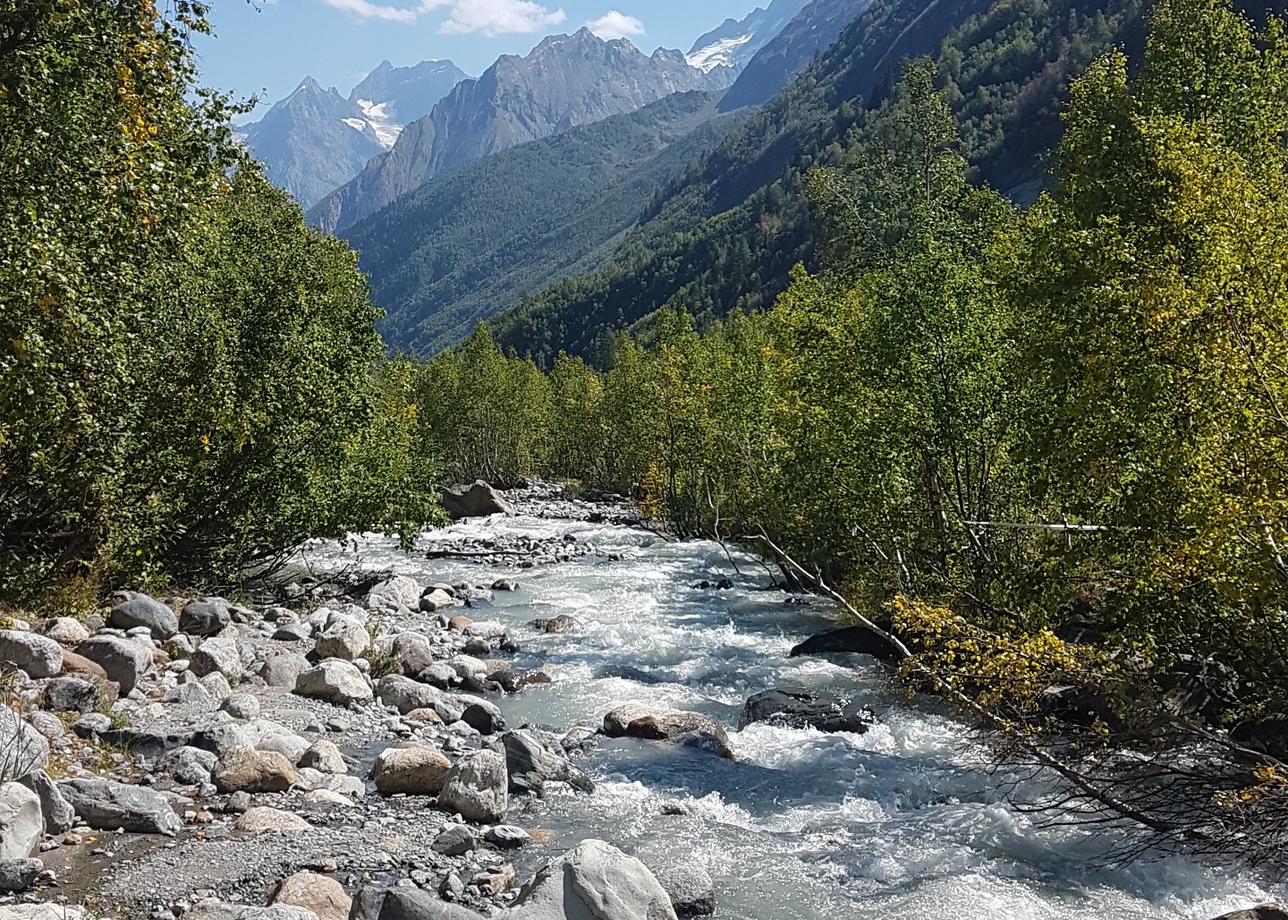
899 822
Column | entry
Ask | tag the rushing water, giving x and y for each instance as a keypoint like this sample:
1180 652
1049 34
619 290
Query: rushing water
898 822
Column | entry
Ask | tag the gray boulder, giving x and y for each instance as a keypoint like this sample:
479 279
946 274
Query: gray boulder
1262 912
477 500
189 766
38 655
595 881
345 638
455 840
406 695
796 707
532 761
141 610
218 656
205 618
688 728
71 694
21 823
692 892
411 769
23 750
66 631
483 716
477 788
124 661
107 805
405 904
214 909
57 811
19 874
335 681
42 912
324 757
283 669
253 771
395 591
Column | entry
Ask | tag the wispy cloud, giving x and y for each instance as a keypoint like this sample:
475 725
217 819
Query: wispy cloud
498 17
366 10
615 24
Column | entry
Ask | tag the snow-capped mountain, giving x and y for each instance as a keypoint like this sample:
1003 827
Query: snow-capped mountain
735 42
316 140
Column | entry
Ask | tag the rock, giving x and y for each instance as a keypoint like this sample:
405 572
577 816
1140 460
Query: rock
459 623
412 652
508 837
320 894
19 874
436 599
253 771
690 728
404 904
856 639
335 681
327 797
21 823
406 695
395 591
25 750
58 813
238 803
141 610
505 584
483 717
90 725
345 638
560 624
71 694
477 500
325 757
214 909
283 669
796 707
42 912
455 840
218 656
410 768
531 762
440 674
492 881
39 656
263 820
66 631
625 672
123 661
75 665
107 805
189 766
691 890
241 706
205 618
425 715
477 787
1263 912
595 881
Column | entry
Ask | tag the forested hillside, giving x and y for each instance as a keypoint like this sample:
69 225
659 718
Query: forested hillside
471 245
726 237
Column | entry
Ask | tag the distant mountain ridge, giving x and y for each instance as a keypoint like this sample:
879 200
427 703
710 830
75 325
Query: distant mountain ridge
315 140
735 42
567 80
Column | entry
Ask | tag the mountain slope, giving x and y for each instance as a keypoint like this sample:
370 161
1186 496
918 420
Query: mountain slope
789 53
466 246
726 238
315 140
567 80
735 42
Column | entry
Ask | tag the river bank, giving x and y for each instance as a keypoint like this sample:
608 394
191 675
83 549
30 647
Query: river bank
899 820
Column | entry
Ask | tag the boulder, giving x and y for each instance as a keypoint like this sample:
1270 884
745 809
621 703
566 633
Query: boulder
335 681
483 716
205 618
412 652
1262 912
71 694
531 762
141 610
324 757
855 639
241 706
253 771
57 811
123 661
214 909
23 750
404 904
796 707
66 631
22 826
395 591
691 890
455 840
264 820
37 655
75 665
436 599
188 766
406 695
689 728
107 805
505 584
595 881
345 638
508 837
19 874
477 500
322 895
560 624
218 656
42 912
411 768
283 669
477 787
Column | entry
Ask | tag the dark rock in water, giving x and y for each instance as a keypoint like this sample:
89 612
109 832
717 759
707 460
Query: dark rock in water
560 624
692 892
624 672
1263 912
797 707
723 584
483 717
856 639
478 500
690 729
531 762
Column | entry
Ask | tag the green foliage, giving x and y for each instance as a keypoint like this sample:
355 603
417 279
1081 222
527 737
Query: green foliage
189 377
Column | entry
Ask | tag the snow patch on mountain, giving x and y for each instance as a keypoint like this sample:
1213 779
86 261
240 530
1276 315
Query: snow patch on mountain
718 54
384 128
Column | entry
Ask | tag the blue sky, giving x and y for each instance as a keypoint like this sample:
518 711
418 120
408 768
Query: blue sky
267 47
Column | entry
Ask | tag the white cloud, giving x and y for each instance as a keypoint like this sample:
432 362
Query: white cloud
365 9
497 17
614 24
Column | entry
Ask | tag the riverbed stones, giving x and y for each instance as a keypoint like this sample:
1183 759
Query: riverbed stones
677 726
25 750
595 880
477 500
139 609
214 909
397 591
411 768
344 638
335 681
104 804
477 787
21 823
206 617
253 771
797 707
324 757
39 656
123 661
265 820
322 895
220 655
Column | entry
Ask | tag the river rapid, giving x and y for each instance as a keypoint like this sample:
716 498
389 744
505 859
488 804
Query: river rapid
902 821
